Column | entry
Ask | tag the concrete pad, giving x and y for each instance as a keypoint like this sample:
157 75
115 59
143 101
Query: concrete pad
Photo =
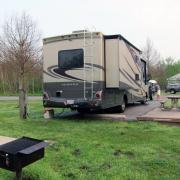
4 139
161 116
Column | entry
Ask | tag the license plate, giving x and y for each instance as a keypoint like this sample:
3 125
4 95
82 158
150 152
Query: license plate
70 101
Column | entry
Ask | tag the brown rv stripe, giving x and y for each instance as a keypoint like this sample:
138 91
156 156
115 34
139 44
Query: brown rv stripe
133 57
56 72
128 76
127 85
49 74
130 66
95 65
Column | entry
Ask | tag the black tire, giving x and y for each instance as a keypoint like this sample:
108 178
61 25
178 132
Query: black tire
172 91
144 101
122 107
83 111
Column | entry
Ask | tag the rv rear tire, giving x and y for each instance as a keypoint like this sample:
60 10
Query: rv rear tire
122 107
83 110
144 101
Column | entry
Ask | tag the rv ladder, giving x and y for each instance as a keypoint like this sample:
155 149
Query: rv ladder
88 58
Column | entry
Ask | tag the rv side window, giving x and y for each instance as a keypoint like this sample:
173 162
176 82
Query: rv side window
137 77
70 59
144 71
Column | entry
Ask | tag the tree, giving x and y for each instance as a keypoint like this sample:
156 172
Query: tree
172 66
20 47
151 55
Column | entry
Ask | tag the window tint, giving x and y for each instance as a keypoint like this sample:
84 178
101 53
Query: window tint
143 67
70 59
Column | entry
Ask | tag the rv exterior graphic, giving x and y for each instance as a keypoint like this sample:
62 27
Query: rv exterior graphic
88 70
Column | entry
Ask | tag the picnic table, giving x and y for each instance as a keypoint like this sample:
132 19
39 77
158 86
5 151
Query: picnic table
174 101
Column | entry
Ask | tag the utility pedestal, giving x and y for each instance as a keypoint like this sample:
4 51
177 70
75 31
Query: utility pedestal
48 113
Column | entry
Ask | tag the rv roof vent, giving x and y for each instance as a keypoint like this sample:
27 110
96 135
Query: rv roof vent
80 31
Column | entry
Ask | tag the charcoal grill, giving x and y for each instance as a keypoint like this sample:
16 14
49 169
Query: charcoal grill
21 152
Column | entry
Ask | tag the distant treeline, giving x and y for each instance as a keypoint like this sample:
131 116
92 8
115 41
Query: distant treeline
9 80
163 70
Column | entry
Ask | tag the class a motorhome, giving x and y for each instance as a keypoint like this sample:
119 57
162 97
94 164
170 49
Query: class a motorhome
86 71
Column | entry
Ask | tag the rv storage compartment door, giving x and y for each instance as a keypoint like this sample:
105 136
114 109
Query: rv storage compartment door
112 63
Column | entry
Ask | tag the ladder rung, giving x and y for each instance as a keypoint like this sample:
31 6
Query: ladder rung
88 56
89 45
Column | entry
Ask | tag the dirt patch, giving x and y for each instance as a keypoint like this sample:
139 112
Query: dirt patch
70 175
129 154
117 152
106 166
84 168
76 152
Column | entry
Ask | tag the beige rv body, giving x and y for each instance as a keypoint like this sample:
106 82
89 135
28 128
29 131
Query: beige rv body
112 73
53 45
121 68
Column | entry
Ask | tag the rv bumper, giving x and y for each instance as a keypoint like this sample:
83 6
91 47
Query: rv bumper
74 104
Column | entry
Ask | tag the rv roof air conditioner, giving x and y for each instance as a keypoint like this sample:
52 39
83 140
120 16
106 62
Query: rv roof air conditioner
79 31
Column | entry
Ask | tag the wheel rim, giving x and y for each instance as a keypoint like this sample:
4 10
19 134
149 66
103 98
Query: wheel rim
123 106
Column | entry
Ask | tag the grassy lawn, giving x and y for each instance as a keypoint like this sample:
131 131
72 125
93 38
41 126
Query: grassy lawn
95 149
168 104
16 94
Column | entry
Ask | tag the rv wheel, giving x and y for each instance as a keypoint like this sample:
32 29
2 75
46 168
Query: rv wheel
122 107
172 91
83 110
144 101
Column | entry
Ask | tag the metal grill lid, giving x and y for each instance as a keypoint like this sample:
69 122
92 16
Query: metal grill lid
15 146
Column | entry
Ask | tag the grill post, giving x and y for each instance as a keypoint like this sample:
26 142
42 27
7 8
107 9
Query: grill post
19 174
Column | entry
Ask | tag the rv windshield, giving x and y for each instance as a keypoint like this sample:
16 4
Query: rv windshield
70 59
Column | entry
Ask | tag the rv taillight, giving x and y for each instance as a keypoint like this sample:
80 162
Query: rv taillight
98 94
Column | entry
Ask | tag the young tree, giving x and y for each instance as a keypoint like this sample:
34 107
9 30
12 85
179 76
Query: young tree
151 55
20 47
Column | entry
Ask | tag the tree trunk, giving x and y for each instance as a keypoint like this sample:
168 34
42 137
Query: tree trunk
22 98
2 76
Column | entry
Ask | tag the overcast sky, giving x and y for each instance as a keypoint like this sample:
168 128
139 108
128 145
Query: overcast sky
136 20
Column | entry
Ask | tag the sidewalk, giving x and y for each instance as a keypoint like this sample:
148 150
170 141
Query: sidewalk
4 139
15 98
161 115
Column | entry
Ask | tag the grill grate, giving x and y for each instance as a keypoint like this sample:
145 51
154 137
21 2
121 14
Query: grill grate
18 145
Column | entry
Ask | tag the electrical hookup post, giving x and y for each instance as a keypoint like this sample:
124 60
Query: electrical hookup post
48 113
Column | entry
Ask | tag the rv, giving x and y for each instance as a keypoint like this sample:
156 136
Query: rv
86 71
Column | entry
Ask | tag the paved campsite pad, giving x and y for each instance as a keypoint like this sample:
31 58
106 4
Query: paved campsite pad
132 111
4 139
162 116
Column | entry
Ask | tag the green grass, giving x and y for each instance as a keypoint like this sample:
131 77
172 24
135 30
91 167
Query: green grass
95 149
163 93
168 104
16 94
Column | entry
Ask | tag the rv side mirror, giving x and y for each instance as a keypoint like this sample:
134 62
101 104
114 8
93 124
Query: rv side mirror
137 77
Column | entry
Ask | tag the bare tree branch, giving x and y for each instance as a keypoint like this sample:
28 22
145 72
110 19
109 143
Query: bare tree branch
20 49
